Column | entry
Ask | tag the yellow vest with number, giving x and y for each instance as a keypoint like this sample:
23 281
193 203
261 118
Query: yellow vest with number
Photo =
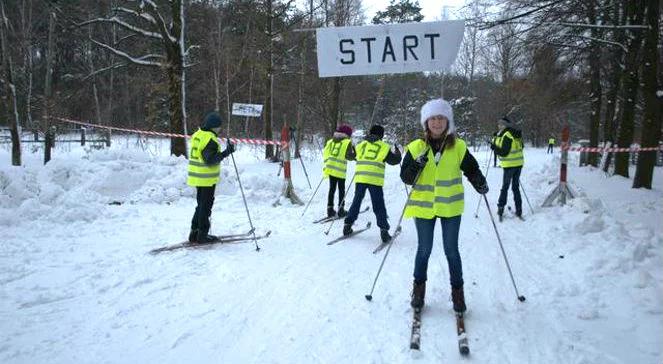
333 155
201 174
370 162
439 189
515 157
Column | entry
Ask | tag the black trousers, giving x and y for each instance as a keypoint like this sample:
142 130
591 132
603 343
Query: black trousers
205 199
511 177
550 149
333 183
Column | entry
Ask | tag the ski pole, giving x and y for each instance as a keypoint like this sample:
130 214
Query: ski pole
301 160
369 296
398 227
490 156
526 198
311 199
342 203
246 206
520 298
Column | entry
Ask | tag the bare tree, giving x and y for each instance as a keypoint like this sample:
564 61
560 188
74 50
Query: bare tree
653 95
165 27
10 87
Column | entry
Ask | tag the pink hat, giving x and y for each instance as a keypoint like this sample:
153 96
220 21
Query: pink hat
345 129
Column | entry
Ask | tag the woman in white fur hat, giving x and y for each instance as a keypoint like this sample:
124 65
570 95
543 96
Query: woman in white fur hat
433 166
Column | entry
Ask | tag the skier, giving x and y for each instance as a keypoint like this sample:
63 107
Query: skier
551 144
203 173
433 166
338 151
509 149
372 154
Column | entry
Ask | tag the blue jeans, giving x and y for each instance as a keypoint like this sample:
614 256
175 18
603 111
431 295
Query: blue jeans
377 199
511 177
450 230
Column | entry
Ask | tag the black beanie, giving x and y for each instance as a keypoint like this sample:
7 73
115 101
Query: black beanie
212 120
377 130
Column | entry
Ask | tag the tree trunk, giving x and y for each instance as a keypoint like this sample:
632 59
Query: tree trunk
175 78
595 86
630 82
335 103
269 84
651 126
11 108
48 89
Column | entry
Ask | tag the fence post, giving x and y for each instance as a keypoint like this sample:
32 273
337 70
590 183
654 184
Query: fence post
35 134
108 138
82 135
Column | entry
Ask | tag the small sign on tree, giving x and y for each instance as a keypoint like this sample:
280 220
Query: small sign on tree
247 109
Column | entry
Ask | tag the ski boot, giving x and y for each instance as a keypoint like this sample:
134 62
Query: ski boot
418 294
458 298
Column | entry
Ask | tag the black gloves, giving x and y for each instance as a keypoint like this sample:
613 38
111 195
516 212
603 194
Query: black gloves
492 146
230 149
421 161
482 188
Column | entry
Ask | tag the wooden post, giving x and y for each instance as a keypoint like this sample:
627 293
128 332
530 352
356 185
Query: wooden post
562 190
288 189
82 135
108 138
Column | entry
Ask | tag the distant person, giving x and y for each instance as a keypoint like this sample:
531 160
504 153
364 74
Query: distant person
372 154
203 173
551 144
338 151
509 148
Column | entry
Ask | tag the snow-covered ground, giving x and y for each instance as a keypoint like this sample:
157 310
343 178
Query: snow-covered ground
77 283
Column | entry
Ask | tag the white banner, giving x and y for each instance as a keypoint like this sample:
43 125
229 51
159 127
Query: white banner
247 109
388 48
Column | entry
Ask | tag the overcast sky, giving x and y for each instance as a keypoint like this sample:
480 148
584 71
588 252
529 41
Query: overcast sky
431 9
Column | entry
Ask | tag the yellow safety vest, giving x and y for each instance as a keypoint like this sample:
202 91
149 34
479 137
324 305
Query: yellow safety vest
333 155
515 157
200 173
551 141
370 162
439 189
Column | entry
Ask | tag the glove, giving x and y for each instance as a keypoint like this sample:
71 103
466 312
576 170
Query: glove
230 149
421 161
492 146
481 187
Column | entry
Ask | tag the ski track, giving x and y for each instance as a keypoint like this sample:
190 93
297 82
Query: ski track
90 292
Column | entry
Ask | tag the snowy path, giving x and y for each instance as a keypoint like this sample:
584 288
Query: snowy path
85 289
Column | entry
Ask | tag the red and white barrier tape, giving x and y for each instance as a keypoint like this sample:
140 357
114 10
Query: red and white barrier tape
171 135
599 150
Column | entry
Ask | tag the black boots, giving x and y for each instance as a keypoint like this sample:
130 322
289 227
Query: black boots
458 298
500 211
330 211
342 212
347 229
418 293
384 235
203 237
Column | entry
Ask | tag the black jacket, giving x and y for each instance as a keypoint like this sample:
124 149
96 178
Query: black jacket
211 154
504 150
469 166
393 158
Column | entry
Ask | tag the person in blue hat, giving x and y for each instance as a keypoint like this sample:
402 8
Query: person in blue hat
204 170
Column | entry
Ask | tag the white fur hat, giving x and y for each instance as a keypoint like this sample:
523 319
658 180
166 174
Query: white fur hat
438 107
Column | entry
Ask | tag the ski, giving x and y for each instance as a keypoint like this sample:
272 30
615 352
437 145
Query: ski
463 346
341 238
332 218
224 239
384 244
415 337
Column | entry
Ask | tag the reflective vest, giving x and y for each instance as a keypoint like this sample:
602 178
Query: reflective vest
551 141
370 162
333 155
200 173
515 157
439 189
